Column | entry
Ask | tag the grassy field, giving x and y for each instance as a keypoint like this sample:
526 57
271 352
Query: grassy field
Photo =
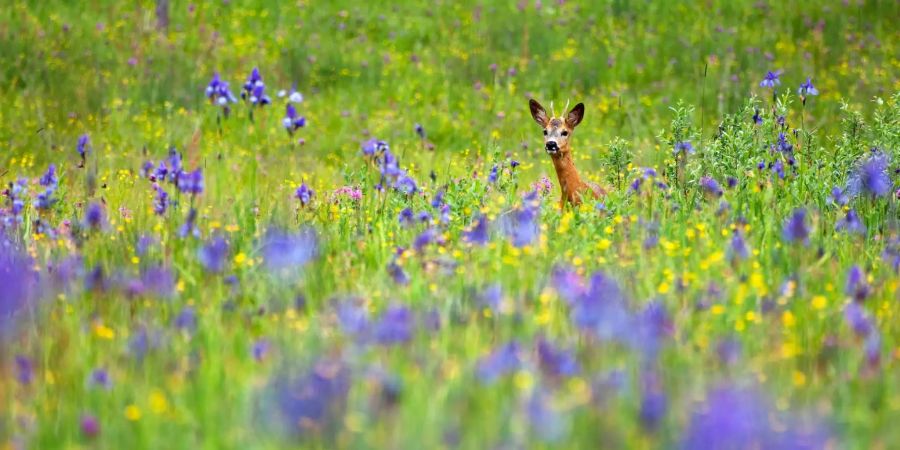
362 247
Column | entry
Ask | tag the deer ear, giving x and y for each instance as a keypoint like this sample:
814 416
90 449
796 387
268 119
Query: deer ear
538 112
575 115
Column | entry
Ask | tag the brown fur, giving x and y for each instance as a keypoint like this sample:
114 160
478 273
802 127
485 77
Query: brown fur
572 187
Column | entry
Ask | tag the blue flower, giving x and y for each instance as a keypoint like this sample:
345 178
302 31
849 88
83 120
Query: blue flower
684 147
839 196
478 233
374 147
405 217
397 273
851 223
305 194
217 92
186 320
314 402
20 287
757 119
49 178
807 89
406 185
738 248
254 89
771 79
94 218
857 285
161 201
292 121
420 130
190 182
711 186
872 176
795 228
492 176
283 250
24 369
502 361
555 362
859 321
395 326
212 255
82 147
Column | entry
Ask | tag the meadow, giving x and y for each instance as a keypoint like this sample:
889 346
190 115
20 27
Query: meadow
334 224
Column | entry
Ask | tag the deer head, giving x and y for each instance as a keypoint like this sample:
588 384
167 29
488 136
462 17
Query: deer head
557 130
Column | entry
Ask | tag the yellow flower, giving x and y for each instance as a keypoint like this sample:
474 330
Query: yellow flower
240 258
158 402
819 302
717 310
132 413
799 378
663 288
787 319
603 244
104 332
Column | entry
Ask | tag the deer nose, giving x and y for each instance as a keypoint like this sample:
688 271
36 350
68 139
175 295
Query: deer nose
552 146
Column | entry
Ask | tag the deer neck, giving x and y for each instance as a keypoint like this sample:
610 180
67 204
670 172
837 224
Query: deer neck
566 173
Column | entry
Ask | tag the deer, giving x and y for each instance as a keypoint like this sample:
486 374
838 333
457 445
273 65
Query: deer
557 138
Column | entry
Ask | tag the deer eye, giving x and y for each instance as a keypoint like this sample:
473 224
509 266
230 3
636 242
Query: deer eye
565 133
545 132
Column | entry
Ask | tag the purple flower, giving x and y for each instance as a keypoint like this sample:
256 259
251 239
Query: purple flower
314 402
217 92
838 196
82 146
778 168
545 419
305 194
602 310
568 284
757 119
397 273
90 427
555 362
374 147
420 130
795 227
260 349
771 79
292 122
49 178
24 370
352 317
100 378
858 320
94 218
159 281
478 233
857 285
395 326
734 418
212 255
186 320
783 145
426 238
738 248
283 250
684 147
492 176
711 186
254 89
45 200
190 225
406 185
405 217
851 223
190 182
872 176
502 361
729 350
807 89
161 201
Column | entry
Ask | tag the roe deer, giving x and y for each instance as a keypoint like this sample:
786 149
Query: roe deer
557 134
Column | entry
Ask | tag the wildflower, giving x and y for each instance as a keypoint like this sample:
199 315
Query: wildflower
427 237
160 173
503 360
217 92
851 223
757 119
420 130
891 253
778 168
601 310
254 89
568 284
186 320
405 184
395 326
807 89
45 200
161 202
738 248
492 176
283 250
857 287
555 362
729 351
872 177
545 418
190 225
397 273
260 349
100 378
838 196
683 147
293 96
734 417
423 216
94 218
190 182
292 121
374 147
405 217
771 79
654 402
315 401
783 145
859 321
24 370
352 317
82 148
478 233
348 192
90 427
304 193
542 186
711 186
212 255
49 178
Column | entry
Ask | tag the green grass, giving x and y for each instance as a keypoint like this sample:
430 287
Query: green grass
650 74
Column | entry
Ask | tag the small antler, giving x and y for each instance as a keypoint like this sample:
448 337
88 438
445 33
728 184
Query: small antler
567 106
552 109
